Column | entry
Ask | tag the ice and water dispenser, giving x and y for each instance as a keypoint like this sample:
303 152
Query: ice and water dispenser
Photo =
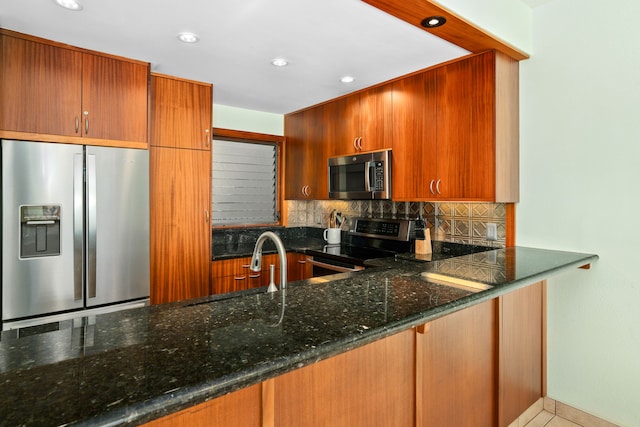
39 231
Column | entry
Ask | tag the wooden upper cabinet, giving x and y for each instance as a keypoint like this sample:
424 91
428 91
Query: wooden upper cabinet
414 136
52 90
360 122
114 99
181 113
477 129
306 155
41 87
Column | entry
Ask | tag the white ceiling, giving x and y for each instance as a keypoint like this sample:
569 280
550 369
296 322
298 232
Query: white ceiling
322 39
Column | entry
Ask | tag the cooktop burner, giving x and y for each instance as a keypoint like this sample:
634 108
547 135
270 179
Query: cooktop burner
370 238
348 253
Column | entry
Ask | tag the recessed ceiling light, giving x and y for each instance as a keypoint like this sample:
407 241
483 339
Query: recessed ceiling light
280 62
188 37
347 79
433 21
69 4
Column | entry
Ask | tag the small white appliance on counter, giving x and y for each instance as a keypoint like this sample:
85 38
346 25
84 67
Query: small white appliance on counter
75 228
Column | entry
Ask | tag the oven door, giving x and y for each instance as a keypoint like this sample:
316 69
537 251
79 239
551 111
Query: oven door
325 266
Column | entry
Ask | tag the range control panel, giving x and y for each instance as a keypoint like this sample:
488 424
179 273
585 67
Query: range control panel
394 229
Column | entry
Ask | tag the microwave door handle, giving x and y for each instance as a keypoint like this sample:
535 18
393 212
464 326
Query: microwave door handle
367 177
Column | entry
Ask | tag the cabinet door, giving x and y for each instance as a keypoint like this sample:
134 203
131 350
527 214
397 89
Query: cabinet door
414 137
180 113
114 98
40 86
180 231
376 118
297 267
306 156
237 409
522 357
360 122
369 386
455 371
342 125
466 139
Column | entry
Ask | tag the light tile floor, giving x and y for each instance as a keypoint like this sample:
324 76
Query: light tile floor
551 413
547 419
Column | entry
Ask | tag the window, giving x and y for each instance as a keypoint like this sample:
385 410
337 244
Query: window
245 182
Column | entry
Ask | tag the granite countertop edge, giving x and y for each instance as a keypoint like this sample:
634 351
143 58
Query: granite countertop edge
187 397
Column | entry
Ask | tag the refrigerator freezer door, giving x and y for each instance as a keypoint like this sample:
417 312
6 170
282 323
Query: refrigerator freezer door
117 226
38 177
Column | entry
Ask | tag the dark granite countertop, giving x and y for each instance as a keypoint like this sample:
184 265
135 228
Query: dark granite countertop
132 366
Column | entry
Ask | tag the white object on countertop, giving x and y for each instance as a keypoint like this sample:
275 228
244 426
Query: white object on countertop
332 236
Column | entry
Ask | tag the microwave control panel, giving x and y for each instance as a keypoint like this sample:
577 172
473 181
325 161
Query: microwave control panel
378 176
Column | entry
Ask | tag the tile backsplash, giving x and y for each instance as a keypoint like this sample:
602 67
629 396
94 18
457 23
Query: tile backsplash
451 222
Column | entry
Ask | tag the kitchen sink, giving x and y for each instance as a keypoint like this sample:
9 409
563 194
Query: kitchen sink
456 282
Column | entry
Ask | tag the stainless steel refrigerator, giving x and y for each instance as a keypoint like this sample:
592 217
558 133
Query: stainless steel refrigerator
75 227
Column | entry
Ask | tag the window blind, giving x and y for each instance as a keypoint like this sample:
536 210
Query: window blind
244 183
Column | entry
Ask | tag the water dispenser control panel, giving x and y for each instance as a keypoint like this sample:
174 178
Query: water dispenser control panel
39 231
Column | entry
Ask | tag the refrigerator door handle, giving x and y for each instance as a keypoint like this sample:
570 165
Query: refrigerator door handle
91 226
78 225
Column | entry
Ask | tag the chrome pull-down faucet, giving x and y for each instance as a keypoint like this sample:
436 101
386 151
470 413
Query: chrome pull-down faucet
256 259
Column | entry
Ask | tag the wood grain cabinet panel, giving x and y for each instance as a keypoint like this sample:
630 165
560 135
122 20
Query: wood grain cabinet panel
305 155
181 113
52 90
456 369
297 267
522 351
41 87
370 386
180 229
414 163
180 189
241 408
477 129
359 122
114 99
230 275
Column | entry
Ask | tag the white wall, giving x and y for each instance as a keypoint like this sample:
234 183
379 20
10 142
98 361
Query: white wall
248 120
580 172
580 163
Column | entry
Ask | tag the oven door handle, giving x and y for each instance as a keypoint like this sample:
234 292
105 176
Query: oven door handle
334 267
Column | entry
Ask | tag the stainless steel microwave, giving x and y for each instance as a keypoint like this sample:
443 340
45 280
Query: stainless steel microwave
360 176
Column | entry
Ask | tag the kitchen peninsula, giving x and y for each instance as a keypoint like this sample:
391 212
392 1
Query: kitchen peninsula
135 366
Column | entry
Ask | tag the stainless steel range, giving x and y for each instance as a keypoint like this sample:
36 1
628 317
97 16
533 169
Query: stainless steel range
368 238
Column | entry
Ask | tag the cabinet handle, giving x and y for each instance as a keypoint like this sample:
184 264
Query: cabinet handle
206 131
355 143
86 123
431 187
254 276
305 191
301 261
438 187
206 216
77 124
360 143
239 277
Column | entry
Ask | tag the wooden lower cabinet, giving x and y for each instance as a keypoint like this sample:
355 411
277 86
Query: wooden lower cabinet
370 386
456 370
522 354
230 275
297 267
238 409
